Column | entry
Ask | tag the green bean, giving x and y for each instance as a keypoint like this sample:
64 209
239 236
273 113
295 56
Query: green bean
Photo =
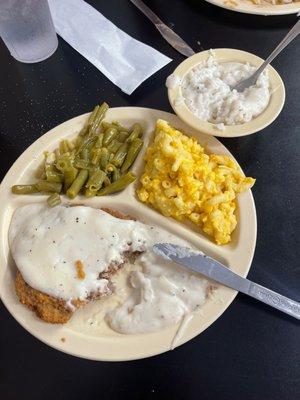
118 185
81 163
72 153
71 145
92 117
87 143
70 175
44 186
106 181
96 154
57 154
111 156
136 132
105 125
104 158
47 168
109 135
95 180
91 142
40 172
24 189
94 161
78 183
63 162
92 168
78 142
83 131
99 141
122 136
110 168
132 153
51 173
120 127
113 171
114 146
98 118
115 124
120 155
116 175
52 176
63 147
84 154
54 200
101 112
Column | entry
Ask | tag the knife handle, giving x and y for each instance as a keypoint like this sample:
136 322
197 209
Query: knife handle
275 300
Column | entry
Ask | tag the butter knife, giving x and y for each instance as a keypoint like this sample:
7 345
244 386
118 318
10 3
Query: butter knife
170 36
213 269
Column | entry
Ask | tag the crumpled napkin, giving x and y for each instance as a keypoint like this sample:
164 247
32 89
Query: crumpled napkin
122 59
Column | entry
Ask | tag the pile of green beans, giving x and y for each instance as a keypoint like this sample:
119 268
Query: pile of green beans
96 163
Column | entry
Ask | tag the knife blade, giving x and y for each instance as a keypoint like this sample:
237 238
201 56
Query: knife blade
170 36
213 269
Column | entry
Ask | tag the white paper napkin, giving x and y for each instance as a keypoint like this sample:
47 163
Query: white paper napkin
124 60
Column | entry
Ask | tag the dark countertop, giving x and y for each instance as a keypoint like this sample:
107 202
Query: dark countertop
251 351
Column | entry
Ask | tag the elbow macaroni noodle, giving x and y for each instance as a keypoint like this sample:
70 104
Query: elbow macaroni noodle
182 181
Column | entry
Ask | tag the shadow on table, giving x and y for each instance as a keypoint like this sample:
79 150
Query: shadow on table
266 309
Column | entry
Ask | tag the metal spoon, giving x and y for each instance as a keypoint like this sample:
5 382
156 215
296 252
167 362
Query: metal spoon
293 33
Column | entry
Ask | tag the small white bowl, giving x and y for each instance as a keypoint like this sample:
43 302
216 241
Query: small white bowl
228 55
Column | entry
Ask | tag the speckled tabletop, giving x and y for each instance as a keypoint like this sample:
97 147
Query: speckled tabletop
252 351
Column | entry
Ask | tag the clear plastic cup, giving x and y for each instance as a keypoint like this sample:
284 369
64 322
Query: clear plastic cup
27 29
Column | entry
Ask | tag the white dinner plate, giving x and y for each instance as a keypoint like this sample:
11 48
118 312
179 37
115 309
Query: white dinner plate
100 342
265 8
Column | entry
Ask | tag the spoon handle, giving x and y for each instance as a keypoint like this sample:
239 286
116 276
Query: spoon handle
294 32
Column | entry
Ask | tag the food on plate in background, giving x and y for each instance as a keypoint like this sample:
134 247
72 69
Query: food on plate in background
182 181
274 1
96 163
66 257
206 91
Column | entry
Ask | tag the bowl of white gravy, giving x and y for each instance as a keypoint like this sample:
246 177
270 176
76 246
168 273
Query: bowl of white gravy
200 92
